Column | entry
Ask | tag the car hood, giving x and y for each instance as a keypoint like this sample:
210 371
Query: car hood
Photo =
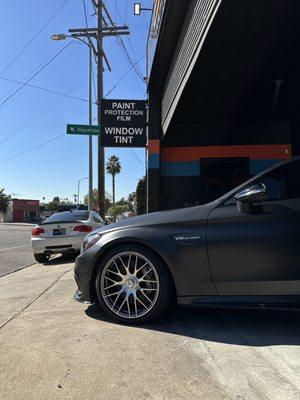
161 217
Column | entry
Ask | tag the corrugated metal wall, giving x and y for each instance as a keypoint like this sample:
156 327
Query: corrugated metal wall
197 23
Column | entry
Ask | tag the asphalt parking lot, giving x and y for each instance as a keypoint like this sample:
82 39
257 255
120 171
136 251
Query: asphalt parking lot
54 348
15 250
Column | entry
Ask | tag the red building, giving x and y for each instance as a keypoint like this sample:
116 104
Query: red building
24 210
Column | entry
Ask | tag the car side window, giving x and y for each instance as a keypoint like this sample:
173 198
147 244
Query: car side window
283 182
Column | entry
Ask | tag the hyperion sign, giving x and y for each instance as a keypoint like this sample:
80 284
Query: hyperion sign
123 123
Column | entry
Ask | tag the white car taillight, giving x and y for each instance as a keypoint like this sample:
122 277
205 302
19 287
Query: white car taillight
37 231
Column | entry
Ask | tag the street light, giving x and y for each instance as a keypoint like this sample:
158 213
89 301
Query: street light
78 192
137 9
62 36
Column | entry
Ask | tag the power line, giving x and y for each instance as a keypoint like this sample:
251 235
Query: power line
60 8
32 148
5 139
136 156
43 163
138 71
35 74
38 116
118 63
123 77
132 63
59 136
45 89
85 13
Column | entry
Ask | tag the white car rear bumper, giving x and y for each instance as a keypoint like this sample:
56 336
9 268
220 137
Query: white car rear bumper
57 244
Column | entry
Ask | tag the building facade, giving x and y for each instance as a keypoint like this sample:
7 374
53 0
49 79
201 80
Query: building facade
223 87
22 210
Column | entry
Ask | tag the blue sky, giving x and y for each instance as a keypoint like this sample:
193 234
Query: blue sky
33 116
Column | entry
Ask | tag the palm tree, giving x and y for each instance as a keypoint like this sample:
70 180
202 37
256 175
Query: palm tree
113 167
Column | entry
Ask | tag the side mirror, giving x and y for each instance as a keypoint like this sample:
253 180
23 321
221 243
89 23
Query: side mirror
252 194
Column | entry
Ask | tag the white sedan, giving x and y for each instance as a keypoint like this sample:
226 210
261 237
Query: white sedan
63 233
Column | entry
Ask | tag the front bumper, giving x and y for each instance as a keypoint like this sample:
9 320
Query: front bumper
84 273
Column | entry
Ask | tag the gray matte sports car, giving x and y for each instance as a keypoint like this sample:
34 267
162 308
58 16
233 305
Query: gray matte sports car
240 250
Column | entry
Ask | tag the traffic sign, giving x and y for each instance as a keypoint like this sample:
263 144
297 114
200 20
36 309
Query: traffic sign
83 130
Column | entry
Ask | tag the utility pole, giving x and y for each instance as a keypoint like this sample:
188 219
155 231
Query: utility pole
101 154
105 27
91 197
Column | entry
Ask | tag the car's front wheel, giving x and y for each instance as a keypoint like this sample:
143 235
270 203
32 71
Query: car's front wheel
133 285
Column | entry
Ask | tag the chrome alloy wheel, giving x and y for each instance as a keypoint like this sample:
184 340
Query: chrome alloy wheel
129 284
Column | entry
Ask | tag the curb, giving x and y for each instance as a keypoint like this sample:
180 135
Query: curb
17 270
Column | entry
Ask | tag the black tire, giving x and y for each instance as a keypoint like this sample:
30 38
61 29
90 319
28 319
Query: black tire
42 258
165 292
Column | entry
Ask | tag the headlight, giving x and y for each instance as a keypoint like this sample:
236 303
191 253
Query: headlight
90 240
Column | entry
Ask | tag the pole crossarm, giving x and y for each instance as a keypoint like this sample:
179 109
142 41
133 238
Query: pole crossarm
116 33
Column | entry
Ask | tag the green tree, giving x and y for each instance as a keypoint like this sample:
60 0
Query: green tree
124 202
108 202
116 210
131 197
52 206
3 201
141 196
56 199
113 167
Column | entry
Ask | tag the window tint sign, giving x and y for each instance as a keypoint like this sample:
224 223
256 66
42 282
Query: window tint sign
123 123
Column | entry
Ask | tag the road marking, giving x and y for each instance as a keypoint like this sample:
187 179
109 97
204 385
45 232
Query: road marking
16 247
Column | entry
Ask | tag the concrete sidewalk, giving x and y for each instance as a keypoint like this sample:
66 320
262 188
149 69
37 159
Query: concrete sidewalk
54 348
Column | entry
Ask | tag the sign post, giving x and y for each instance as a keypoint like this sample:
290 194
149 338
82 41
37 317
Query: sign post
123 123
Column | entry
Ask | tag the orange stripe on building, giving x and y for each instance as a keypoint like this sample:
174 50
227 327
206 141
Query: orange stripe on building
255 152
153 146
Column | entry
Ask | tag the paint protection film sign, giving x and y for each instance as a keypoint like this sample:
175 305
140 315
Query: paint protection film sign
123 123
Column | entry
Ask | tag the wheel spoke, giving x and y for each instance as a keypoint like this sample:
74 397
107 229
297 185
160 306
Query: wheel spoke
114 284
142 303
118 269
144 265
112 294
128 264
135 264
120 258
122 304
109 279
128 307
146 274
117 299
112 272
135 306
144 294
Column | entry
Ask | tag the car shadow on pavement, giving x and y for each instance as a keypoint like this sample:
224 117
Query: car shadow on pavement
61 259
231 326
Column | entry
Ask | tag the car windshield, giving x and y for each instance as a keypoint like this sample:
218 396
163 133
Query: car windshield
70 216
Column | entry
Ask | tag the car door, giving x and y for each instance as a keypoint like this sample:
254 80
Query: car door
258 253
